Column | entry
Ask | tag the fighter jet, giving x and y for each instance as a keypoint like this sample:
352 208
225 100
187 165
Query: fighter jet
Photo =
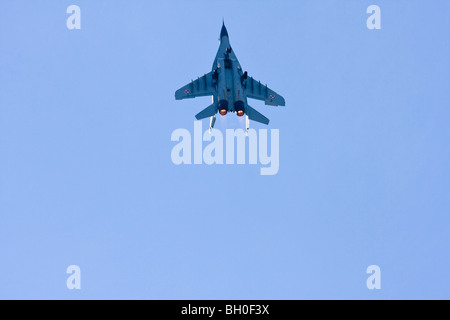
229 87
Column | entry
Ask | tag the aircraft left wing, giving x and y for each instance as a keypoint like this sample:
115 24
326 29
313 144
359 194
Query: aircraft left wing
257 90
203 86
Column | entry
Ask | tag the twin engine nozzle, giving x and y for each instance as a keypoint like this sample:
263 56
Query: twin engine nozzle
238 107
223 107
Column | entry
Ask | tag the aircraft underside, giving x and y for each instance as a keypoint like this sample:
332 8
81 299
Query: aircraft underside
230 88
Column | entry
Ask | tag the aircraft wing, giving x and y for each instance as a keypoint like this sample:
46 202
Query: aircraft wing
257 90
203 86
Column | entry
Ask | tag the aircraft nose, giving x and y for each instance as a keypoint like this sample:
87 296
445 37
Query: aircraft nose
223 32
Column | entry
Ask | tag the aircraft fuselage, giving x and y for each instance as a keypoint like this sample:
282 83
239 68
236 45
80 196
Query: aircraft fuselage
230 95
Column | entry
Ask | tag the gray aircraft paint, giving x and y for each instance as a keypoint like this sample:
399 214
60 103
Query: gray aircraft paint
229 86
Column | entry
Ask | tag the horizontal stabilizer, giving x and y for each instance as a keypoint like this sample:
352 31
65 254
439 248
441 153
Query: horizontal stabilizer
256 116
207 112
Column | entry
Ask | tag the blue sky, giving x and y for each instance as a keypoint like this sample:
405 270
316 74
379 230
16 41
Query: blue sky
86 176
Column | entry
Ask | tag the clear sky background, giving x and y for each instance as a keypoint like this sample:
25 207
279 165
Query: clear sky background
86 176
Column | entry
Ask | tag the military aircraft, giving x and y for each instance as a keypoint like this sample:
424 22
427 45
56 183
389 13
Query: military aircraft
229 87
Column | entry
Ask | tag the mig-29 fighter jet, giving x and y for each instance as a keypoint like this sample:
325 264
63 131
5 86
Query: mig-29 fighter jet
229 87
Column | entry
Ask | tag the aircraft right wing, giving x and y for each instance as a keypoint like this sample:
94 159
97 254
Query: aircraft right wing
256 90
203 86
